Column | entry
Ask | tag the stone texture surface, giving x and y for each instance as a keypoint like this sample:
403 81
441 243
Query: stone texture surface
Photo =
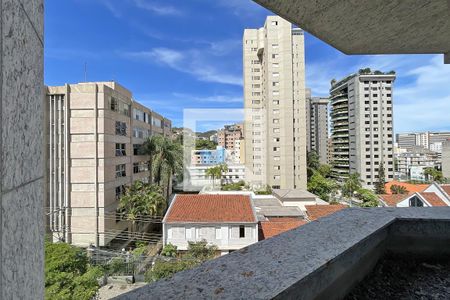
22 98
278 266
22 242
21 149
366 27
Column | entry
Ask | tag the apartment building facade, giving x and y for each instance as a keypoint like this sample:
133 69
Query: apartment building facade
362 126
446 159
94 131
227 136
274 102
429 140
317 125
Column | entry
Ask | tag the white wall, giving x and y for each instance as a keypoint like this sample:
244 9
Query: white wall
224 236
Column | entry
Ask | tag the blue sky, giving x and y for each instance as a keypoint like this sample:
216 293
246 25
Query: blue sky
187 54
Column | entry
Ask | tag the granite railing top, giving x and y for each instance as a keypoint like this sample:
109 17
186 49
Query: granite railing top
267 268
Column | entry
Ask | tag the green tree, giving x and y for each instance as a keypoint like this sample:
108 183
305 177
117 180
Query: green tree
369 198
169 250
150 148
325 170
321 186
197 253
201 144
398 189
313 163
201 251
68 274
433 175
141 200
351 184
169 161
381 182
216 172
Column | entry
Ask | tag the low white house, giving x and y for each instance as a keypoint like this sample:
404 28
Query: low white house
433 195
227 221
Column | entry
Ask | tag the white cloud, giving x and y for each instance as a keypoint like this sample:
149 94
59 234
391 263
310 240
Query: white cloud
112 8
157 8
211 99
424 103
194 61
421 91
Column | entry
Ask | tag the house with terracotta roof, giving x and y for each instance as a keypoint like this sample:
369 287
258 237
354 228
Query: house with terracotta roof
433 195
227 221
274 226
315 212
411 188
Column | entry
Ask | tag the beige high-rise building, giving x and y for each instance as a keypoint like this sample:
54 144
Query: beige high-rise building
362 129
274 101
94 131
446 159
317 125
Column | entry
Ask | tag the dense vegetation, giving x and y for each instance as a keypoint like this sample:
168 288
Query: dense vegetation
68 274
197 253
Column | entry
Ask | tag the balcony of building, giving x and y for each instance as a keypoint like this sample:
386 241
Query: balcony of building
324 259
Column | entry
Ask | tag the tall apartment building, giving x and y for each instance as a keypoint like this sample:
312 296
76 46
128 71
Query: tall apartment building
362 129
428 140
94 131
446 159
274 101
227 136
317 125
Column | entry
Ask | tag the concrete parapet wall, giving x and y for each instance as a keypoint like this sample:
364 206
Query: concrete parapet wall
323 259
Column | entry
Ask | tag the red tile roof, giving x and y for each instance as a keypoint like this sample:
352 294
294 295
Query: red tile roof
411 188
433 199
276 226
318 211
210 208
446 189
393 200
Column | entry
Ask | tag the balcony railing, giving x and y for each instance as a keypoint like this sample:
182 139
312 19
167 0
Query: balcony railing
320 260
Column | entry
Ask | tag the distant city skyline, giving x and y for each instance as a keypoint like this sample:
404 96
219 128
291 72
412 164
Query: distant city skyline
174 59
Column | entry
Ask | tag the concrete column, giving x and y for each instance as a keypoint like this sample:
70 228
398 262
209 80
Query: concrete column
21 149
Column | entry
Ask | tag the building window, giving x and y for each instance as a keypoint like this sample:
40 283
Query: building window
121 128
415 202
274 23
114 105
137 149
119 191
121 171
241 231
120 150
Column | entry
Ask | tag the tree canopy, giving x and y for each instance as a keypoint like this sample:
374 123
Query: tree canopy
68 274
205 144
381 182
197 253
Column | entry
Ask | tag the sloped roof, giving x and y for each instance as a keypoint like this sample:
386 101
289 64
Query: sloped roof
394 199
315 212
433 199
288 194
275 226
446 189
411 188
206 208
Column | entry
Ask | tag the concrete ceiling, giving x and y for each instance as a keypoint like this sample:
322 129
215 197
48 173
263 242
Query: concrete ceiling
372 26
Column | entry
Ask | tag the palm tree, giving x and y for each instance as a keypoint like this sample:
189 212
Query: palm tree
141 200
169 161
223 168
213 172
150 148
